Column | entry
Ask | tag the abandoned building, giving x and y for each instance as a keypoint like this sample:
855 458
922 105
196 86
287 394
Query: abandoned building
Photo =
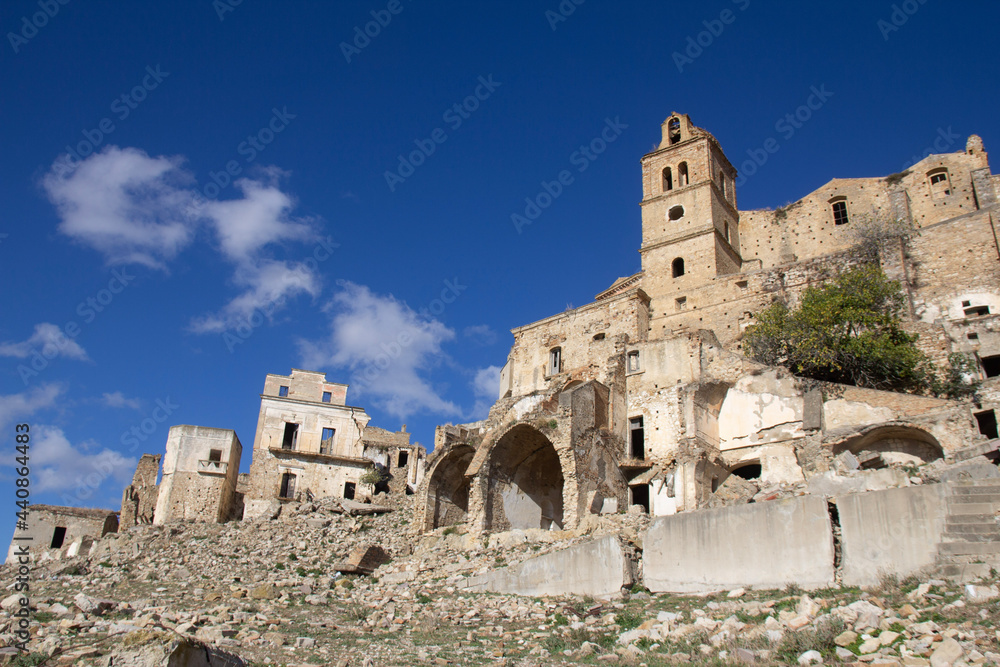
55 532
642 396
310 444
200 468
139 498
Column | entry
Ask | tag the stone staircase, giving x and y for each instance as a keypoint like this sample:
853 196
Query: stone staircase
970 545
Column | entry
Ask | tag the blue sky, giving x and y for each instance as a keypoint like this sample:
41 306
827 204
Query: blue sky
234 202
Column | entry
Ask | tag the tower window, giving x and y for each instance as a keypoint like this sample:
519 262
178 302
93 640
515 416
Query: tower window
327 396
840 212
215 455
282 391
675 213
678 267
939 182
404 458
326 443
682 175
555 360
674 130
726 228
633 361
668 179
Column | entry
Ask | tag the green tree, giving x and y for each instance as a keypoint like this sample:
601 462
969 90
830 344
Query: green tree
846 331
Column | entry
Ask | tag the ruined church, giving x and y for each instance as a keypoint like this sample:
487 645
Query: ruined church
642 397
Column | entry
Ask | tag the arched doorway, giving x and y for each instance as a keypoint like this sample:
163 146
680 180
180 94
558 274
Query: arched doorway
448 489
525 486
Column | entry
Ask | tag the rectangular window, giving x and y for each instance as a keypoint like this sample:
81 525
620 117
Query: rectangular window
681 302
282 391
326 396
637 439
640 496
326 444
58 537
555 361
349 490
991 366
633 361
404 458
977 311
215 455
287 486
987 422
840 213
291 436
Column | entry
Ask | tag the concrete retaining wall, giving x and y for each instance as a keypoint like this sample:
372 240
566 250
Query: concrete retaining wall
897 530
767 545
597 568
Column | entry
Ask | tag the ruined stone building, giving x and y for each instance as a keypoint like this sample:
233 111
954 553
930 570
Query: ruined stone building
61 531
642 396
310 444
139 498
200 468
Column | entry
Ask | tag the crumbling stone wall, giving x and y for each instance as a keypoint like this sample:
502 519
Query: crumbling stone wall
200 469
53 532
139 498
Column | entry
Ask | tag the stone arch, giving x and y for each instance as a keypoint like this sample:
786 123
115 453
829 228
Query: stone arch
526 482
904 444
448 488
747 469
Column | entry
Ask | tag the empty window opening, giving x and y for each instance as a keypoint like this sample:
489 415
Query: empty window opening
349 488
327 396
715 483
966 304
326 443
282 391
678 267
726 228
291 436
215 455
840 212
977 311
555 360
682 175
681 302
640 496
633 361
58 537
287 485
991 366
987 421
675 213
749 471
668 179
972 336
404 458
722 183
637 439
674 130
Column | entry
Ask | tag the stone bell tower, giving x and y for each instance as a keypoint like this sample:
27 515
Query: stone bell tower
690 225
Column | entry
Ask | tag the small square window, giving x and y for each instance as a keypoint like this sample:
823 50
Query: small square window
215 455
681 302
282 391
327 396
633 361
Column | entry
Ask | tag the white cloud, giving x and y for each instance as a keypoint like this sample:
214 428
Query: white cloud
388 349
117 400
134 208
481 334
18 407
485 387
49 341
58 465
131 207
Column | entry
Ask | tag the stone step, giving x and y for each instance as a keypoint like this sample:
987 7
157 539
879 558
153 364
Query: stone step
972 518
950 536
971 508
972 529
962 491
962 572
968 548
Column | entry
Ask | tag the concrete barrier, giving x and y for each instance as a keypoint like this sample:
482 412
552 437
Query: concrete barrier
597 568
897 530
766 545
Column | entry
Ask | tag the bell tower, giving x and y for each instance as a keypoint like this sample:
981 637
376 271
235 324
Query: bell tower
690 224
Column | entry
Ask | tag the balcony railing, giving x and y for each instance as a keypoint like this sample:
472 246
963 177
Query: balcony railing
213 467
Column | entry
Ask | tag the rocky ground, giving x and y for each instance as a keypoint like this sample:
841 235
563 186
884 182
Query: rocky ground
269 592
